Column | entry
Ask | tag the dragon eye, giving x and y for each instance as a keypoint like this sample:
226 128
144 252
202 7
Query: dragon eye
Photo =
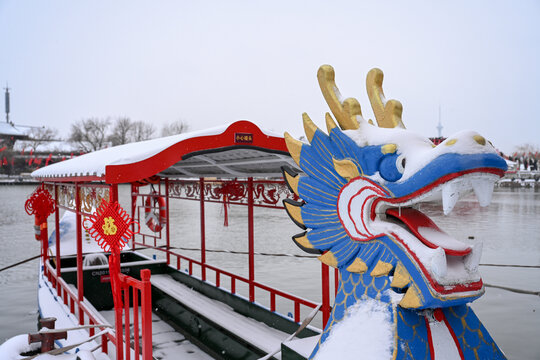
400 163
392 167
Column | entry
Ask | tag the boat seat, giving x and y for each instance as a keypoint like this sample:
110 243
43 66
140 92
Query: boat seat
254 332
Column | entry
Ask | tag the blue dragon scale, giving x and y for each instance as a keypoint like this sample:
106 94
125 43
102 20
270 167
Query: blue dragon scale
404 284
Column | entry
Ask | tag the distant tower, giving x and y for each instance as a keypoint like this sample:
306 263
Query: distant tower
439 127
7 103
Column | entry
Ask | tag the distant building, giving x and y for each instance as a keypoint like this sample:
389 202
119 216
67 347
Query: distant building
9 132
437 140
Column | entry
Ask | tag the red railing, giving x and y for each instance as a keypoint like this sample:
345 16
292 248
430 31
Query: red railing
140 289
234 278
248 192
144 287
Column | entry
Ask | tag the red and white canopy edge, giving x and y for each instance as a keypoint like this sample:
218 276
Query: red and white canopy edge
238 150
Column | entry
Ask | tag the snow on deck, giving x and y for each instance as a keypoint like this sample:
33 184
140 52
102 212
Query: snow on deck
50 305
256 333
167 344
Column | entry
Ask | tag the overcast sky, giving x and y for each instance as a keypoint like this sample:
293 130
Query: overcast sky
214 62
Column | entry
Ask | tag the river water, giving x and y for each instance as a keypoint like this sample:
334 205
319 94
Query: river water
509 229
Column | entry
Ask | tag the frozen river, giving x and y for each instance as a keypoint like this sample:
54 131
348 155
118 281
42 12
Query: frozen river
509 229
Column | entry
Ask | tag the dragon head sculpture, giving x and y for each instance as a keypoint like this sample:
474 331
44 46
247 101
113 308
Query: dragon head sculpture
361 190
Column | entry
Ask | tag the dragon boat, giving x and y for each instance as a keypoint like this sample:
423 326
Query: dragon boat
401 284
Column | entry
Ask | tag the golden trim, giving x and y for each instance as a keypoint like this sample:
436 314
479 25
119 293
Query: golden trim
357 266
479 139
381 269
294 146
389 148
292 181
329 259
294 212
411 299
346 168
309 127
401 277
330 123
303 240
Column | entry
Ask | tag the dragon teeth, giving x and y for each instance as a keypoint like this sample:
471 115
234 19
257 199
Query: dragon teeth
483 189
472 260
439 265
450 196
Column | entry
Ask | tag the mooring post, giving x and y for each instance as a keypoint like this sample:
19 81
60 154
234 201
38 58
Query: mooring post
47 339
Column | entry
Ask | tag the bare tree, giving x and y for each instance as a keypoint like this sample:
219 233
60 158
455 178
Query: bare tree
90 134
176 127
141 131
40 135
121 132
527 148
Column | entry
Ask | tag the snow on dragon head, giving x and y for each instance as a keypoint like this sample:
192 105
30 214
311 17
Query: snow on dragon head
360 190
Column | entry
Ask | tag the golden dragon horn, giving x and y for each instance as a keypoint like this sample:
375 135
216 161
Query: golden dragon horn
346 111
387 113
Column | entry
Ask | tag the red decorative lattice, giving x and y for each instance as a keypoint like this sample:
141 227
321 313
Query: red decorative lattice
111 226
40 203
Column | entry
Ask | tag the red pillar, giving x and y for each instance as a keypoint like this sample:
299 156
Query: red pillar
146 314
251 240
44 242
167 233
203 237
325 293
336 281
57 233
113 196
113 193
80 286
133 208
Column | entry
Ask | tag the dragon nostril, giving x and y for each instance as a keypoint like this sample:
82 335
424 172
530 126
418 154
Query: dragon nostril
479 139
451 142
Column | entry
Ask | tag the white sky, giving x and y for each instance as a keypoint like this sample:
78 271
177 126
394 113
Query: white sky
214 62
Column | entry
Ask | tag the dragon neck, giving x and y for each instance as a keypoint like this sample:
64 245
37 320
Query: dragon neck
412 331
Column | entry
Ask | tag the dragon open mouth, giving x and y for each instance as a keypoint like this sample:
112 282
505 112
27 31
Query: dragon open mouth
427 231
448 264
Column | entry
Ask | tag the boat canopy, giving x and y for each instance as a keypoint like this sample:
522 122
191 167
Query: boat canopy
238 150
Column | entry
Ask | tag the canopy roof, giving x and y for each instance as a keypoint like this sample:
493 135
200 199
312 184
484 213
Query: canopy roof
241 149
